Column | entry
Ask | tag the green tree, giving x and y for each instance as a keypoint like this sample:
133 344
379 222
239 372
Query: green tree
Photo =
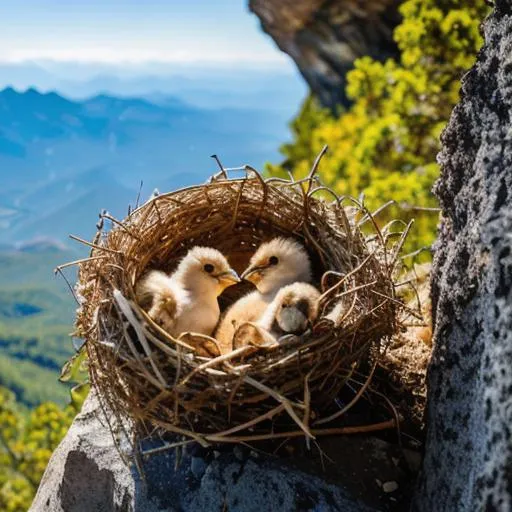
27 441
385 144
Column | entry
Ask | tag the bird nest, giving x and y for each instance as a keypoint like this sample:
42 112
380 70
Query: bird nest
168 385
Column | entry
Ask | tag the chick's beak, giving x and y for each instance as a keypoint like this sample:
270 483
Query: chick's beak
229 278
252 274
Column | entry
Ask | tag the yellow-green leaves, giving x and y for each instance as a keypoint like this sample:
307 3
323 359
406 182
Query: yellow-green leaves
79 394
26 444
385 144
76 371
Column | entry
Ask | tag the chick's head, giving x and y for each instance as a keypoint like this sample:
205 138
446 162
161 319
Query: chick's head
276 263
206 270
297 307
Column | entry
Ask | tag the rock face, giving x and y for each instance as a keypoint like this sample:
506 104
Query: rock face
468 454
324 37
86 473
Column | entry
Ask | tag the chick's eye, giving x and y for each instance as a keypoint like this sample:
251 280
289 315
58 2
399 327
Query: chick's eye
274 260
208 268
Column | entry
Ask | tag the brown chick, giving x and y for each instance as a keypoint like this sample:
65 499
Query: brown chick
275 264
186 301
293 311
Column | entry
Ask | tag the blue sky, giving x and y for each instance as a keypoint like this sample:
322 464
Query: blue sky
135 31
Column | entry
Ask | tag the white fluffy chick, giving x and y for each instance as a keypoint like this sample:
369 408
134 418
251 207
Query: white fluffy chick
275 264
186 301
293 311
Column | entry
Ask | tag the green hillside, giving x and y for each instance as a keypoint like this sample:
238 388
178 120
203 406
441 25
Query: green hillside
36 318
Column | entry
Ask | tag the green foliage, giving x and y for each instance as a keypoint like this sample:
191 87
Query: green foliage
31 383
310 119
27 441
385 144
76 371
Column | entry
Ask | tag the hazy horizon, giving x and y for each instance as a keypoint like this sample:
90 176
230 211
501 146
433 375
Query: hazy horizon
127 31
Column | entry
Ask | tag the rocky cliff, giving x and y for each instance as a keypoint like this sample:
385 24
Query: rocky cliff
324 37
468 456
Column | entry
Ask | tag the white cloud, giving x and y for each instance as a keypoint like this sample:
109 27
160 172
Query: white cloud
111 56
122 31
147 51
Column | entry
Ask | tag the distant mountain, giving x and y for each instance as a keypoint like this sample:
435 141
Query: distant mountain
63 160
243 90
32 116
71 206
232 86
25 74
39 245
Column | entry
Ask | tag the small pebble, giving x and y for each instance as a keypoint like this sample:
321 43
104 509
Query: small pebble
413 460
389 486
238 453
197 466
379 483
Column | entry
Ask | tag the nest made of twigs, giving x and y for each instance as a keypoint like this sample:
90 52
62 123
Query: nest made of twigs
162 383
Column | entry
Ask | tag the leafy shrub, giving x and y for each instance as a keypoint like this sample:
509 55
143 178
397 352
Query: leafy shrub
385 144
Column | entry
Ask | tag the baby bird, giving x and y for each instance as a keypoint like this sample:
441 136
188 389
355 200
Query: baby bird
293 310
275 264
186 301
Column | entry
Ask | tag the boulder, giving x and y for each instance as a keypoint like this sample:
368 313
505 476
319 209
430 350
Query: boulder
87 473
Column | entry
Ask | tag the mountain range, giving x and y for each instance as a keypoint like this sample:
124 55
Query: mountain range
203 86
63 160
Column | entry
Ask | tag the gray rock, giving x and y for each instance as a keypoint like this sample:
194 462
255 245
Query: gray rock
324 38
87 473
198 466
468 454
